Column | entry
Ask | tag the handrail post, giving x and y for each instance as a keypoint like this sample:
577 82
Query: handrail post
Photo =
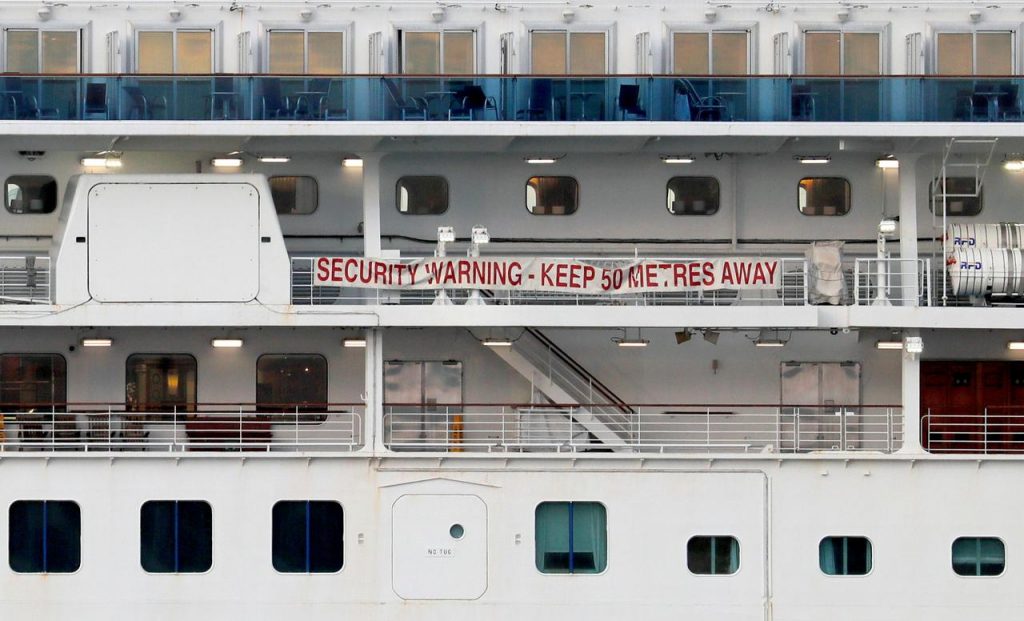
296 417
174 428
707 429
796 430
984 427
842 429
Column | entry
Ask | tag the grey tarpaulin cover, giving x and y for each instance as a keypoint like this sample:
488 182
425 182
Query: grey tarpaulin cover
825 282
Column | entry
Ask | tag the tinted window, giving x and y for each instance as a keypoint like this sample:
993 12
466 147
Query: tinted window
571 537
284 382
963 196
44 536
176 536
160 382
30 194
422 196
693 196
33 381
552 196
844 556
824 196
294 195
978 556
713 555
308 536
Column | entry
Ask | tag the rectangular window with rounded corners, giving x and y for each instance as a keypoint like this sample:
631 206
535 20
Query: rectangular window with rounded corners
303 52
160 383
963 196
33 381
176 536
979 556
716 52
552 196
308 536
715 556
44 536
422 195
824 196
294 194
571 537
845 556
30 194
693 196
291 383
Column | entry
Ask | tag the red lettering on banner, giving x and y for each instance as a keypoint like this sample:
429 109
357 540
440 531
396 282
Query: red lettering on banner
693 273
743 272
321 268
515 273
679 274
412 268
772 266
727 277
709 274
589 275
545 275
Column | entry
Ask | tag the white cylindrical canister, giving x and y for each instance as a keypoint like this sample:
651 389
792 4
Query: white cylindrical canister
1003 235
975 272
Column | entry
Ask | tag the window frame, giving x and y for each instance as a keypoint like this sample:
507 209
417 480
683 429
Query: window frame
952 547
881 29
576 208
608 29
344 525
739 28
871 550
189 407
668 189
712 574
402 49
44 501
82 31
216 39
849 187
345 28
213 538
933 204
61 406
327 380
25 212
974 31
316 184
398 195
607 539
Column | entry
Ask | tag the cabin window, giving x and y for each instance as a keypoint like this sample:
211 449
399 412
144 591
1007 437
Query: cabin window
447 52
174 51
718 52
294 195
301 52
44 536
964 197
845 556
176 536
30 194
552 196
974 53
979 556
30 50
824 196
833 52
38 381
571 537
713 555
308 536
160 383
291 382
693 196
422 195
559 52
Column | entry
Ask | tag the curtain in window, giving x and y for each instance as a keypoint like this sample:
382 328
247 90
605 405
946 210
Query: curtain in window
589 538
552 537
827 555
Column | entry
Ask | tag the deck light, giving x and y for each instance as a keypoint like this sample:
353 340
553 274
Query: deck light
814 159
97 342
226 162
541 159
913 344
625 341
889 345
227 343
497 342
101 161
769 338
1014 163
888 163
275 159
1015 345
356 341
677 159
352 162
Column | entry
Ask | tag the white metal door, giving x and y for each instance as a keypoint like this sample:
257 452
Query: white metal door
245 64
376 48
781 57
915 54
644 55
114 64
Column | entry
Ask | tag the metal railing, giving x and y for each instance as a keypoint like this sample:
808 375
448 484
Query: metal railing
891 282
654 429
996 430
205 427
792 292
512 98
24 280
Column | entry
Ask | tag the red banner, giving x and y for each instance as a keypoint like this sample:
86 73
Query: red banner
549 274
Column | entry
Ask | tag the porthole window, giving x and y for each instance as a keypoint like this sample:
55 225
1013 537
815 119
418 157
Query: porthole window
422 195
713 555
693 196
979 556
845 556
963 195
824 196
294 194
552 196
30 194
45 537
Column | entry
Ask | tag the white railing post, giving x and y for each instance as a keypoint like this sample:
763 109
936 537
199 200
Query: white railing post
984 428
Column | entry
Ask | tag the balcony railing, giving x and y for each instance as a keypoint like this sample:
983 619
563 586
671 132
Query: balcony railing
653 428
996 430
24 280
512 98
205 427
892 282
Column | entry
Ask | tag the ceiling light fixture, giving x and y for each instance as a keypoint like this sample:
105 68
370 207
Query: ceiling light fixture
227 343
1015 345
97 342
769 338
625 341
226 162
537 159
352 162
677 159
275 159
888 163
356 341
814 159
889 345
497 342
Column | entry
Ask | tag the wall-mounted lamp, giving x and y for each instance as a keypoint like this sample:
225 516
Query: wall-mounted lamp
1014 162
710 15
97 342
888 163
352 162
274 159
889 345
843 15
438 14
306 14
174 14
102 161
227 343
226 162
44 13
355 342
974 16
568 15
541 159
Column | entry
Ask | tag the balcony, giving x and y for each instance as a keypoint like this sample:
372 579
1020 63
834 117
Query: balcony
511 98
